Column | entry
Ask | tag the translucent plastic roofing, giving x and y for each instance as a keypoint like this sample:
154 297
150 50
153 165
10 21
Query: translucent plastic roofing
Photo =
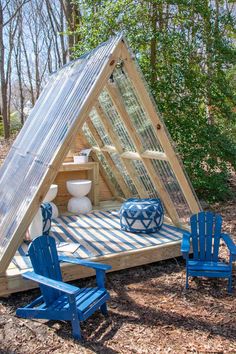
44 133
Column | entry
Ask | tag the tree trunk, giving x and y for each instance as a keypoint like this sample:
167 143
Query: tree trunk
18 60
62 39
31 88
5 116
209 67
73 17
153 58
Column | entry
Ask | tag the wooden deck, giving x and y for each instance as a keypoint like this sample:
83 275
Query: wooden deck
96 236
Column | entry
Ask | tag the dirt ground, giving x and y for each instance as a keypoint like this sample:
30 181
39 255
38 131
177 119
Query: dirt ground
149 312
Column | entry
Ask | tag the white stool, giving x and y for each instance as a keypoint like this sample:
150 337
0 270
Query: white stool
79 204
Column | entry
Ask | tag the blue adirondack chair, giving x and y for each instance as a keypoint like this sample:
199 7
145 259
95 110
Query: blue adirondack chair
59 300
205 238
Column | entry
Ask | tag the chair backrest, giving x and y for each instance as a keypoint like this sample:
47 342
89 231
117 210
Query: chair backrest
44 259
206 233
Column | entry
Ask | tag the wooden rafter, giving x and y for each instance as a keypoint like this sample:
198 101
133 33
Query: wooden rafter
119 178
115 139
155 178
149 107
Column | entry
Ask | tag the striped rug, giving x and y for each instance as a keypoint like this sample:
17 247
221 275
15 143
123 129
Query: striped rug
97 234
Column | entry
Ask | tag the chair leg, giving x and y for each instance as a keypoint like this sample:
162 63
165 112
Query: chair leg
230 285
186 286
76 328
74 318
104 309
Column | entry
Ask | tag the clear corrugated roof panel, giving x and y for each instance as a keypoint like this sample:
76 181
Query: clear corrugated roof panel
52 118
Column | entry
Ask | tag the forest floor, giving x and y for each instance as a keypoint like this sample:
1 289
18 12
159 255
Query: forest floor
149 312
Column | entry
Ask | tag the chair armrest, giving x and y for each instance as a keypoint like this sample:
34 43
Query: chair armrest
84 263
51 283
229 243
185 245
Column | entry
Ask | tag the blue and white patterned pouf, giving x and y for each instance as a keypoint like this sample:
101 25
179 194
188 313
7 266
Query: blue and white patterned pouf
141 215
46 210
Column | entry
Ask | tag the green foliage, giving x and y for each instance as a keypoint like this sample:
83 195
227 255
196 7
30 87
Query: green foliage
187 53
1 129
15 124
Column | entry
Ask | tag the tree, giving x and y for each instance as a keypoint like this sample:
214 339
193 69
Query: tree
38 47
73 18
185 49
9 11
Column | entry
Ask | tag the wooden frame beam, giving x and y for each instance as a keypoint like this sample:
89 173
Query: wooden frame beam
154 155
147 154
148 105
131 155
108 148
119 178
155 178
115 139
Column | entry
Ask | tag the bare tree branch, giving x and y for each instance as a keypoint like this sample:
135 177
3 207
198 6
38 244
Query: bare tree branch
16 11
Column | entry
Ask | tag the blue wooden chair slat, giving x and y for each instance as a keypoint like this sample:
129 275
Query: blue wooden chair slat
59 300
214 266
193 222
217 236
205 237
88 296
102 303
89 300
209 235
201 235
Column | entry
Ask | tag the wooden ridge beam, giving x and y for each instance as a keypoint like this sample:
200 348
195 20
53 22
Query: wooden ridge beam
115 139
155 178
148 106
119 178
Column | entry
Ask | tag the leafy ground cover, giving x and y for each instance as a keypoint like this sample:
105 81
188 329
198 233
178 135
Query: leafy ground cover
150 312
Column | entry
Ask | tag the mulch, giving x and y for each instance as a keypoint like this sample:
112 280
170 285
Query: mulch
4 147
150 312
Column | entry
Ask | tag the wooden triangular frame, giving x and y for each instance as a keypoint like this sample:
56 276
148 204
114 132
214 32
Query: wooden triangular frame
150 107
120 52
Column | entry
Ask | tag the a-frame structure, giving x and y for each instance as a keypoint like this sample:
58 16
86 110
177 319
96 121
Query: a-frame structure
104 95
